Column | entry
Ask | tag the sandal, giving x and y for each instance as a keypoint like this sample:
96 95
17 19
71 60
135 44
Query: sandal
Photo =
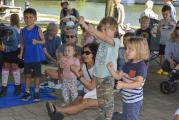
58 116
52 112
51 109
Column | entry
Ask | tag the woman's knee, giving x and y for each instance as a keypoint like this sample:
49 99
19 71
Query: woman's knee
6 66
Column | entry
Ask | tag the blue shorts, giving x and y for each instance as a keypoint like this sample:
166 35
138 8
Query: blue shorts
131 111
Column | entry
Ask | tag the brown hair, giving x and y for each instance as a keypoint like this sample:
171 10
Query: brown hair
73 46
108 21
174 35
140 45
14 20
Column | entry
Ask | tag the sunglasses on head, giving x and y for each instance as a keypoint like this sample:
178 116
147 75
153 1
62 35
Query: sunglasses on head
69 36
177 28
86 52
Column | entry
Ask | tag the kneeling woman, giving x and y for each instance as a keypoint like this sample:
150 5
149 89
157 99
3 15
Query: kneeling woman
84 74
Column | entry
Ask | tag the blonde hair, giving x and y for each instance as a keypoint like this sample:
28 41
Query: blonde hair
14 20
144 18
174 35
140 45
108 21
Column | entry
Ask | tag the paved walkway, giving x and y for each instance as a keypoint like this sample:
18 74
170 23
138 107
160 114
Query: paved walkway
156 105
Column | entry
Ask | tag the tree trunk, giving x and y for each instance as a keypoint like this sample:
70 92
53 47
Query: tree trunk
109 8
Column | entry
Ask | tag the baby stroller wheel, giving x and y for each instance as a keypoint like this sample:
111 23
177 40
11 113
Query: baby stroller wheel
173 88
165 87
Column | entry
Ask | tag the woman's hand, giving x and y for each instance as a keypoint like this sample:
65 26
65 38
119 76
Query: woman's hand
75 69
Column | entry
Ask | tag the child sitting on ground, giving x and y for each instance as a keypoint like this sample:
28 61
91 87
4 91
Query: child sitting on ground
69 91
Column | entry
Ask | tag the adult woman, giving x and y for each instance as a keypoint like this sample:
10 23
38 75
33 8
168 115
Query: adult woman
70 37
171 63
90 99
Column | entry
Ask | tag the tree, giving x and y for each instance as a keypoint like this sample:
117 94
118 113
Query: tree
109 8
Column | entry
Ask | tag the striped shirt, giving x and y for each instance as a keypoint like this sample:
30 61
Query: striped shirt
131 71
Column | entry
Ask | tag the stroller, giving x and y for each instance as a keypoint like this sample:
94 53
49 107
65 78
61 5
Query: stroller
170 86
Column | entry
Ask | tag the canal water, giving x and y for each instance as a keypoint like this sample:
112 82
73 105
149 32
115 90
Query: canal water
90 10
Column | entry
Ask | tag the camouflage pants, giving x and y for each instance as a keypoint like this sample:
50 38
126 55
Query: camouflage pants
105 96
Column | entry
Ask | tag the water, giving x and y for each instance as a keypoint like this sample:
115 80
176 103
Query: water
90 10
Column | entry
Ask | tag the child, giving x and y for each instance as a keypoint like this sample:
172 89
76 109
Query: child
173 10
132 77
121 61
31 40
10 59
166 26
69 91
144 30
69 20
108 49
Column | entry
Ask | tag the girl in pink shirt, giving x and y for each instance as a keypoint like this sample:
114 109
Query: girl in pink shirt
69 92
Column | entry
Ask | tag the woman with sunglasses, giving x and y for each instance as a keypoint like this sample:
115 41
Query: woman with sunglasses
84 74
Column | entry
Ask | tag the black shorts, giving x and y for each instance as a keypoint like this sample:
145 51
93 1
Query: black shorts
32 68
162 49
10 57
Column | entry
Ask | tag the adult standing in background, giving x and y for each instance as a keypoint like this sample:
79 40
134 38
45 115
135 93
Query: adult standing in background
119 15
173 10
63 13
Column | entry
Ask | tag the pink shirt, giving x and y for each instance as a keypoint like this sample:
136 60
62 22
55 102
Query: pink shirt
67 74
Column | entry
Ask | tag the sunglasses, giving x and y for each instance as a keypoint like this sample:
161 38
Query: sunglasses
177 28
86 52
69 36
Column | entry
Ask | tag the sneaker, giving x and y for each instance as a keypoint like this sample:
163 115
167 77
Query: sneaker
36 97
26 97
165 73
160 71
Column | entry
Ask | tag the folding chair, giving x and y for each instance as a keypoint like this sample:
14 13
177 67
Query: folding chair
154 50
155 41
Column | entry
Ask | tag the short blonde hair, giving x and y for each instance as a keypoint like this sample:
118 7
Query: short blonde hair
140 45
108 21
142 18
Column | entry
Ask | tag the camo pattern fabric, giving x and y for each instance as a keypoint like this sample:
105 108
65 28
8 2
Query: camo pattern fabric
105 96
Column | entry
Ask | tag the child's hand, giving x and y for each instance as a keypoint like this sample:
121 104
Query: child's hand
119 85
110 66
34 42
81 20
